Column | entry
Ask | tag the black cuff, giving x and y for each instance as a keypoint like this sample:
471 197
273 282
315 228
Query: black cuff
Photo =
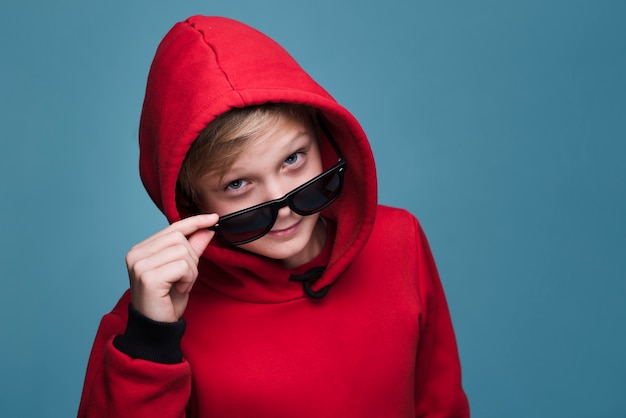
151 340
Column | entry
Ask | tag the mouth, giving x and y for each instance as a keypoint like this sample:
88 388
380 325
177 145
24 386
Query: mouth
279 233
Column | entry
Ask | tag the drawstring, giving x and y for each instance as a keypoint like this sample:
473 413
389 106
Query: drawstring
306 279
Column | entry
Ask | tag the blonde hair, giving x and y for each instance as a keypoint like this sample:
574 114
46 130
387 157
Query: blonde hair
224 139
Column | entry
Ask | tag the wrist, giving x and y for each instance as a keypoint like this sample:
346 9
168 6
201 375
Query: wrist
151 340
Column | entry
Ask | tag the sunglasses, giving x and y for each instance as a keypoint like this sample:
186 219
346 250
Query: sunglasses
250 224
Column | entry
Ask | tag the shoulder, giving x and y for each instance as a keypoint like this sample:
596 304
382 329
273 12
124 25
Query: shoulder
397 218
395 227
398 227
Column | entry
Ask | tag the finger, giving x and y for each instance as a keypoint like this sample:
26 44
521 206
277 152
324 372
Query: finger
162 244
190 225
185 227
158 281
199 240
171 254
179 302
161 292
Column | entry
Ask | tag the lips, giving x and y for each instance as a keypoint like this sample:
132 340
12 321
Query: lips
285 231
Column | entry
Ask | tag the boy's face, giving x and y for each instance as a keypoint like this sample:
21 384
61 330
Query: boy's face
282 157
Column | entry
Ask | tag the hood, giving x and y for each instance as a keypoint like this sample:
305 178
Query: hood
206 66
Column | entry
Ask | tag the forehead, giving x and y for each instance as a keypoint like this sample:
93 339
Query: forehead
283 135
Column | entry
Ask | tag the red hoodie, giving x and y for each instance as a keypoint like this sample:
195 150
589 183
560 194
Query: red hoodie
379 343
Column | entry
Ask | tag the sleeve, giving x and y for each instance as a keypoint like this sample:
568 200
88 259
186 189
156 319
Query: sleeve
118 384
438 388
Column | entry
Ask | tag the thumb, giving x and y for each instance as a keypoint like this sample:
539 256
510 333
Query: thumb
199 240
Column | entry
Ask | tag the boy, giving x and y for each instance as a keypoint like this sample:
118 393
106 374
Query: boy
281 288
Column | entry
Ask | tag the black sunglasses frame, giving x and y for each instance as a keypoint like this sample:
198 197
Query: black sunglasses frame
287 200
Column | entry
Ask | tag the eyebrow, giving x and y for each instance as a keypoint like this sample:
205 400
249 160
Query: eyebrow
295 143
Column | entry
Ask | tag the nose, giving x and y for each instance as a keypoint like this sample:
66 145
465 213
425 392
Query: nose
284 212
276 190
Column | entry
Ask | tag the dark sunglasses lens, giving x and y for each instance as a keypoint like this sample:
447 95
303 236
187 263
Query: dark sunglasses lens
318 194
251 225
247 226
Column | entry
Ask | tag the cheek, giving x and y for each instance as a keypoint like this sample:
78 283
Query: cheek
210 204
203 204
317 160
222 210
224 206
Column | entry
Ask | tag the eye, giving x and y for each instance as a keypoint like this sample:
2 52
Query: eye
235 184
293 158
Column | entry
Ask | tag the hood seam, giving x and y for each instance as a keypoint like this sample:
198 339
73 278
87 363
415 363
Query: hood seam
217 59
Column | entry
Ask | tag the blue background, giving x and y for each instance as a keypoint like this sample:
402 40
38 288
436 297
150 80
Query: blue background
500 124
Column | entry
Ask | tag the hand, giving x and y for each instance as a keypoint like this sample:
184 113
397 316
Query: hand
163 268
